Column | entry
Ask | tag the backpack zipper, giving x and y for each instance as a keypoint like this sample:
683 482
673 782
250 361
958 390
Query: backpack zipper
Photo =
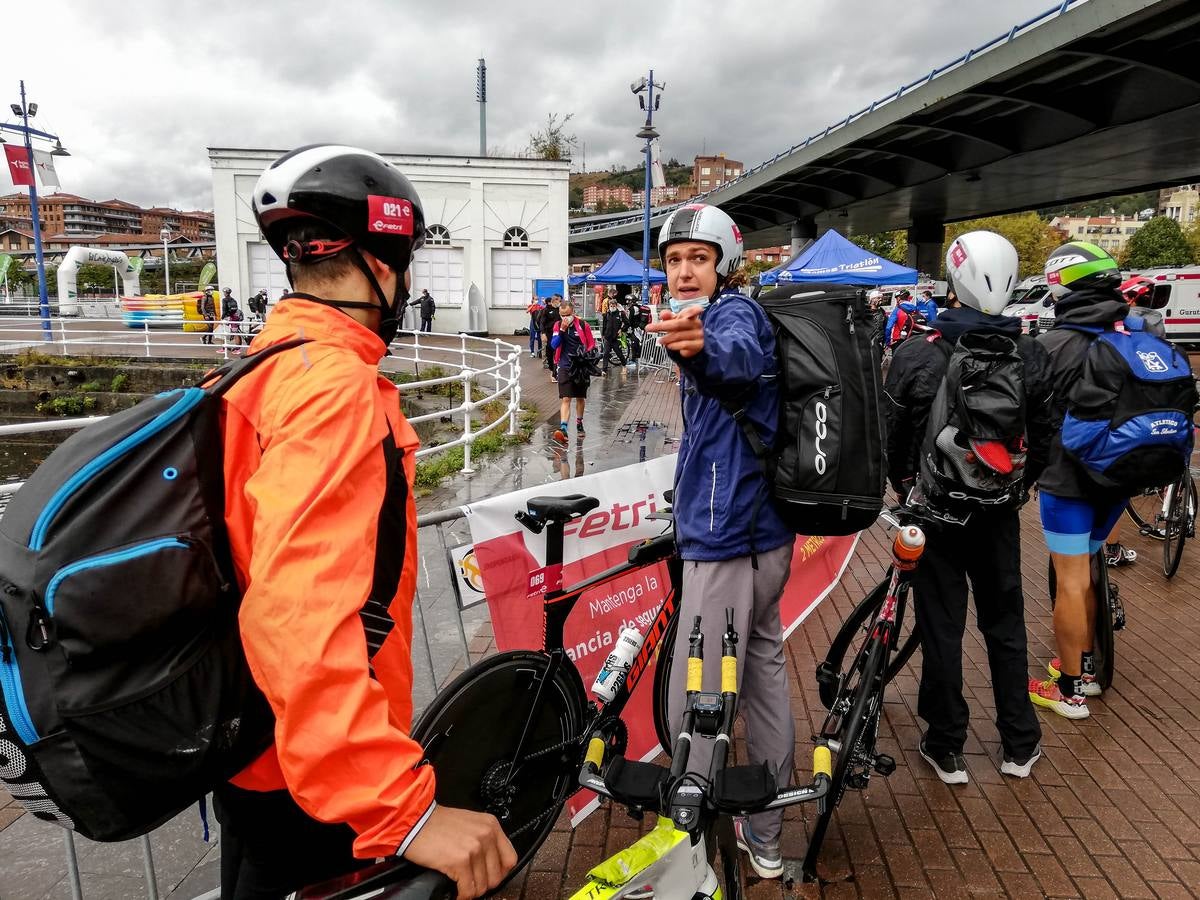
10 685
97 562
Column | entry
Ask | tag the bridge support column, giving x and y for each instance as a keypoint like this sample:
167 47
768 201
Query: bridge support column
925 240
804 232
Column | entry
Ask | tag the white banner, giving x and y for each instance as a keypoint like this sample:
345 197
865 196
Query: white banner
43 161
658 178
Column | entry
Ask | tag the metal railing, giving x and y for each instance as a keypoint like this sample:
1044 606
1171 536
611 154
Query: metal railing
488 364
961 60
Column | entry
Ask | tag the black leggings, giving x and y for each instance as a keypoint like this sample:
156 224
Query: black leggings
271 847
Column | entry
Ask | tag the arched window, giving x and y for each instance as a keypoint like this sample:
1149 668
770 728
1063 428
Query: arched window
516 237
437 236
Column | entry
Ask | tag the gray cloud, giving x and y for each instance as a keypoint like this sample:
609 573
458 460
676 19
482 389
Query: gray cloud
138 96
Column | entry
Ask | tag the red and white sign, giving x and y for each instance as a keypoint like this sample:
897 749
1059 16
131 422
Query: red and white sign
389 215
515 577
958 254
18 165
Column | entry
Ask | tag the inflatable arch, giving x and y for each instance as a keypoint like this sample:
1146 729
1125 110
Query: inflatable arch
68 272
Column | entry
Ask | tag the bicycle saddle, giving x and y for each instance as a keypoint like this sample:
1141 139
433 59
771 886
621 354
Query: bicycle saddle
393 879
560 509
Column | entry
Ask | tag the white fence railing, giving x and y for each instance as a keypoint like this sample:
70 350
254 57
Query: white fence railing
489 364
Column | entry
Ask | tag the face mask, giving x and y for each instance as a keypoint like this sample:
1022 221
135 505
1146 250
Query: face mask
678 306
567 320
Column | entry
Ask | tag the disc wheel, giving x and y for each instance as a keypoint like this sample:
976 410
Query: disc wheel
471 731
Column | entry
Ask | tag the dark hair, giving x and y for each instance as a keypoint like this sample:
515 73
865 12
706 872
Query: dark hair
329 268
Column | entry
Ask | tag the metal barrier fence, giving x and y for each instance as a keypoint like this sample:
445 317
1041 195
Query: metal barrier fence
447 616
489 364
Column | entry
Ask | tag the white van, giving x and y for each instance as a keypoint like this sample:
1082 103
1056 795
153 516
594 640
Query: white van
1029 300
1177 295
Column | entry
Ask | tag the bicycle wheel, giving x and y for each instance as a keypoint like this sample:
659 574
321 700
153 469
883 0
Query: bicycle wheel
1145 511
471 730
863 697
662 684
1103 651
1176 525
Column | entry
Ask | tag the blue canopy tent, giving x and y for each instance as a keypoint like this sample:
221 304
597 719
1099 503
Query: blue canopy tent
621 268
832 259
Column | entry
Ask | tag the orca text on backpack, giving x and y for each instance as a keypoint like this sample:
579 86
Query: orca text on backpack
973 454
1129 417
826 470
125 691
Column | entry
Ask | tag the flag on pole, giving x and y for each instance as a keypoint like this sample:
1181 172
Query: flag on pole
43 161
18 165
206 276
657 177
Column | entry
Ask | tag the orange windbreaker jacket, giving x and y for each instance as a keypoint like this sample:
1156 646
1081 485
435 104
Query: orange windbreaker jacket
319 466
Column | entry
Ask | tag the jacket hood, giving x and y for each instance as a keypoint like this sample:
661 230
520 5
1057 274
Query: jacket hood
1090 308
954 323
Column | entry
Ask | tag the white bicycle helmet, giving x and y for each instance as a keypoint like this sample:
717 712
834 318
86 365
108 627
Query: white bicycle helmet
982 267
710 225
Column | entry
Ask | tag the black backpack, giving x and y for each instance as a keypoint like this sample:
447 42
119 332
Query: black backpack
826 469
973 455
125 690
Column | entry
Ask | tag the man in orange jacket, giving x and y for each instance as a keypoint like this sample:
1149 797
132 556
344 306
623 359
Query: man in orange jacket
319 468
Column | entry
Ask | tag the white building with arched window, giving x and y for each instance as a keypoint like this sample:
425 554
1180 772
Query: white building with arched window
492 223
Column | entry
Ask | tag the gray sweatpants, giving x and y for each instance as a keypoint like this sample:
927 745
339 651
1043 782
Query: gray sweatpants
763 704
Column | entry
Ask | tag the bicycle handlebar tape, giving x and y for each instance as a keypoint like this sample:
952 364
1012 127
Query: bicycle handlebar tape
729 675
908 547
822 762
595 752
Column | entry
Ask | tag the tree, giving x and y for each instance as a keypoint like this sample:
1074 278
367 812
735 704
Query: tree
1160 242
576 197
553 142
1033 239
891 245
1191 234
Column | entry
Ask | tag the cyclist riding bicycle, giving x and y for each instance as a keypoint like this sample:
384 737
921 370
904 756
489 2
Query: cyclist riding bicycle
986 548
319 467
736 550
1077 514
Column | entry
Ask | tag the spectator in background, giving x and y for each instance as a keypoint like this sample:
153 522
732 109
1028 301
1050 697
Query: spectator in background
610 331
549 322
232 313
208 311
535 310
571 341
428 310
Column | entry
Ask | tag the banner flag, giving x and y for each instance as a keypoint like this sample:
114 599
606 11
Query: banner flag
658 177
507 554
43 161
18 165
5 262
206 275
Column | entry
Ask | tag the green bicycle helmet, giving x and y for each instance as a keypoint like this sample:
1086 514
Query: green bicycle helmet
1078 266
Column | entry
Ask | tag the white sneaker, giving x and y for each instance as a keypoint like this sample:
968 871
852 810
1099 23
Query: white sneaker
1020 768
766 861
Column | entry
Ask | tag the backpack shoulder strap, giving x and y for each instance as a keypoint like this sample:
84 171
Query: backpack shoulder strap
1093 330
233 371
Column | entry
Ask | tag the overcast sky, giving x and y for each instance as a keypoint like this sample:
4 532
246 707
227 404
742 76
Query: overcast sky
140 89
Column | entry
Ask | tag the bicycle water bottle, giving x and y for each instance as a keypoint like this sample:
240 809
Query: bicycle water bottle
616 667
908 546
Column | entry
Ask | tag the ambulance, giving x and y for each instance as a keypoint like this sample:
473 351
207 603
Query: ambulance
1030 299
1177 295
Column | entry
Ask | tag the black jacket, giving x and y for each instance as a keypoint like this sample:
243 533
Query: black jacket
549 318
918 369
614 321
428 306
1068 350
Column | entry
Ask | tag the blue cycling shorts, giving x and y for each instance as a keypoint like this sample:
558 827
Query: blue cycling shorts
1076 527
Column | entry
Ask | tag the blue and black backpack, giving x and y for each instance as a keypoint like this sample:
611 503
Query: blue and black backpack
1129 417
125 694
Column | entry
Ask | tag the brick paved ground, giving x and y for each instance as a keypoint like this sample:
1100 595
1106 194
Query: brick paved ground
1112 809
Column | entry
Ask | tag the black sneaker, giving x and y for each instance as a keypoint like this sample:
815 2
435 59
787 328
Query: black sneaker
1020 766
1117 555
951 767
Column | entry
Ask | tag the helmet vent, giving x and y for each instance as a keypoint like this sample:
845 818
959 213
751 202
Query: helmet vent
268 197
988 279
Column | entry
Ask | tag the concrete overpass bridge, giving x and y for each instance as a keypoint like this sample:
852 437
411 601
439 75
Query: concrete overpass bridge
1090 99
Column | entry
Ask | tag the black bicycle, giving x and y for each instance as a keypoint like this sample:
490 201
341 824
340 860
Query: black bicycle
853 694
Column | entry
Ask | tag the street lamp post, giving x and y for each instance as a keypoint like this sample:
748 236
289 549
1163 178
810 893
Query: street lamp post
26 111
165 234
648 101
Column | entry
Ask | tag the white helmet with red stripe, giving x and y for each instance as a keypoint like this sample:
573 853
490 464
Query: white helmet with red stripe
710 225
982 268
